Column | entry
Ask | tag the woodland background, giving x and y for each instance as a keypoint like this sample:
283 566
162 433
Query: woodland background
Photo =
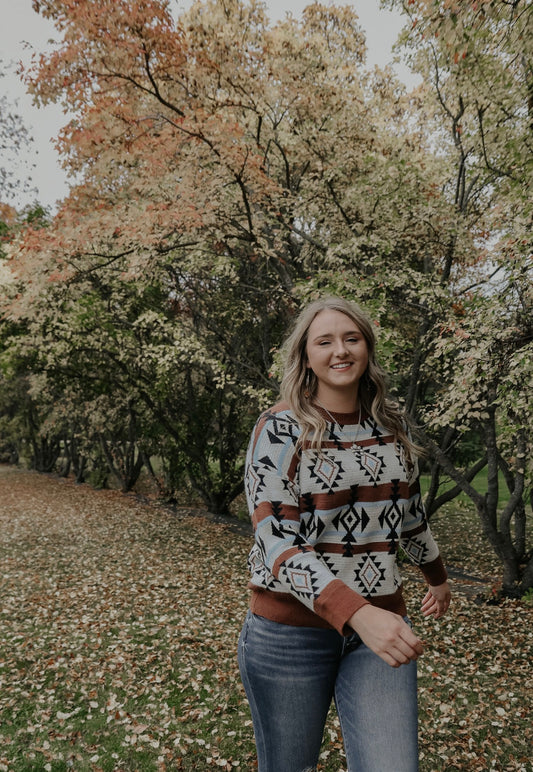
225 170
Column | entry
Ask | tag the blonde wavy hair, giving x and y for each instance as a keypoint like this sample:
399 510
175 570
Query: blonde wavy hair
299 384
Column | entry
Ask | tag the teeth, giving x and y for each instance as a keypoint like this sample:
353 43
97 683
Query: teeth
341 367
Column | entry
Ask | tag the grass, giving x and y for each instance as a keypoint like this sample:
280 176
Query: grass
479 483
459 532
119 623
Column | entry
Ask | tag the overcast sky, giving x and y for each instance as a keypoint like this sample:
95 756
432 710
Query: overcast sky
23 32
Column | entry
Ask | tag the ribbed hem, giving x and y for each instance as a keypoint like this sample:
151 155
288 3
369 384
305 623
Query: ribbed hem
284 608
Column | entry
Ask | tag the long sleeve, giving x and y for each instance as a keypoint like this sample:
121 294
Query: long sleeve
328 524
283 559
416 538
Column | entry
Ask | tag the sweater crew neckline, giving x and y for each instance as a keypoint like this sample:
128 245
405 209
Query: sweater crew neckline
343 419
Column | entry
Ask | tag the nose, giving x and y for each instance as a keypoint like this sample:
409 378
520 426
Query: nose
340 349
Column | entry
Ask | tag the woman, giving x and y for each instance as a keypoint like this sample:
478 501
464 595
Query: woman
332 489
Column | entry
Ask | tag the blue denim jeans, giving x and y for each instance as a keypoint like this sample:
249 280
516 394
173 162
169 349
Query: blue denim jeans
291 674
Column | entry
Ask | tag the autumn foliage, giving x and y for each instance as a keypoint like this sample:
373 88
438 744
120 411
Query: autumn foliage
225 169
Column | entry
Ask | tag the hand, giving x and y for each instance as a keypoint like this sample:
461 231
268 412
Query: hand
387 635
436 601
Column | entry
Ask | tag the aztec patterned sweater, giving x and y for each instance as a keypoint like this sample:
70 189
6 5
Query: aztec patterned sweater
328 526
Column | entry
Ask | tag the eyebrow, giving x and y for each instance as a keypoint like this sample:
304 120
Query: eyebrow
330 334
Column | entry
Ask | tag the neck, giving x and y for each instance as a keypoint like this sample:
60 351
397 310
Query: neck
338 402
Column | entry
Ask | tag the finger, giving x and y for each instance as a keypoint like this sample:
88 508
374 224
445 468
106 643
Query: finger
393 657
403 656
399 654
441 609
410 646
412 639
390 659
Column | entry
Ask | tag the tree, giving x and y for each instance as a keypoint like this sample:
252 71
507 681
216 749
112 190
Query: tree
230 168
20 415
211 180
478 58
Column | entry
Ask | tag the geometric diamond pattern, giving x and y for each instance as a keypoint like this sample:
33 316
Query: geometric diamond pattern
328 471
416 550
351 520
340 513
254 481
370 463
299 580
391 517
258 569
302 580
370 575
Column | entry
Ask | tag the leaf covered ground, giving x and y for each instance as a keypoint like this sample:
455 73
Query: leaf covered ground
119 622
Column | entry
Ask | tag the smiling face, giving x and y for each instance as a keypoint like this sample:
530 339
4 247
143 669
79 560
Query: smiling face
337 353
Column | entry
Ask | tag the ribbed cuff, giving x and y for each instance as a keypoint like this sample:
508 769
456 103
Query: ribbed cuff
337 604
435 572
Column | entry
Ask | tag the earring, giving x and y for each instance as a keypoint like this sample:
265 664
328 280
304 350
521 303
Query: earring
307 380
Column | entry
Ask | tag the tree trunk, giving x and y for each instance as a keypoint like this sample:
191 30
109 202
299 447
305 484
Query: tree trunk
515 580
527 576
